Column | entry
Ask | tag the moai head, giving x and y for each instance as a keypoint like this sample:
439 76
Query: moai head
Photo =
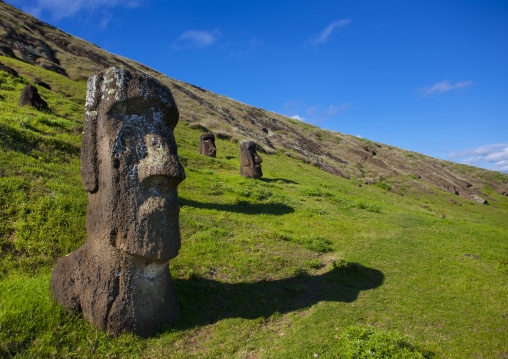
130 166
207 145
30 97
250 162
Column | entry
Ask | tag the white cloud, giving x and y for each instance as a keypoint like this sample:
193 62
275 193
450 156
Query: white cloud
247 47
59 9
501 166
480 151
444 86
299 118
324 35
494 155
315 114
473 161
501 155
312 110
333 110
196 39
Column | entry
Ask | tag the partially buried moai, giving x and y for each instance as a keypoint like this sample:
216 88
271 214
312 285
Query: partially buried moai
207 145
250 162
120 277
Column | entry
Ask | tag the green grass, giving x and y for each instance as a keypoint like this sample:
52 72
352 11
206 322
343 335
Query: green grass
370 342
296 264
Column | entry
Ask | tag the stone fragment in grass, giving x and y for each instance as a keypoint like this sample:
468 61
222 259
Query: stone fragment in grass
478 199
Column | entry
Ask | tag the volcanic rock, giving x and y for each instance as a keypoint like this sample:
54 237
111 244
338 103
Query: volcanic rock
30 97
120 277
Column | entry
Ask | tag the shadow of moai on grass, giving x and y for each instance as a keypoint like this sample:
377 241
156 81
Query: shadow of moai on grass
206 301
119 279
243 207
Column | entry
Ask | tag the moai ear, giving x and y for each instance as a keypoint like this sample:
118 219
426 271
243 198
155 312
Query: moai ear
201 146
244 153
88 166
247 157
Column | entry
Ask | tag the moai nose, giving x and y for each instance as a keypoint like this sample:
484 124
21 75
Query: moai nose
161 161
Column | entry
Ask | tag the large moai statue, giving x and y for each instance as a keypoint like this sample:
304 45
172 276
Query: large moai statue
207 145
120 277
250 162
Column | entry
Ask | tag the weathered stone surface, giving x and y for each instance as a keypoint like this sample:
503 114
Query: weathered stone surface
478 199
250 162
9 70
370 150
30 97
207 145
120 278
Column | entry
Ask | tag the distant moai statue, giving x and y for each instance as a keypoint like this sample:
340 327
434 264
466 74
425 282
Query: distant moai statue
207 145
250 162
30 97
120 277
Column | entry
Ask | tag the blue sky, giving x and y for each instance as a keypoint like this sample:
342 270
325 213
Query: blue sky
428 76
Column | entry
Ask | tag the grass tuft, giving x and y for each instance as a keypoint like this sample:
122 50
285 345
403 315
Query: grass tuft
369 342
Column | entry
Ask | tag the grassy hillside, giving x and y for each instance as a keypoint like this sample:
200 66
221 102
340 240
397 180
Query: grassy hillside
299 264
25 38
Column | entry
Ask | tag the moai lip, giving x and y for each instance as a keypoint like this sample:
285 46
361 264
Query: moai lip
250 162
120 277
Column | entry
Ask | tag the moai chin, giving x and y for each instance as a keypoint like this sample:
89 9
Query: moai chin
250 162
207 145
120 277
